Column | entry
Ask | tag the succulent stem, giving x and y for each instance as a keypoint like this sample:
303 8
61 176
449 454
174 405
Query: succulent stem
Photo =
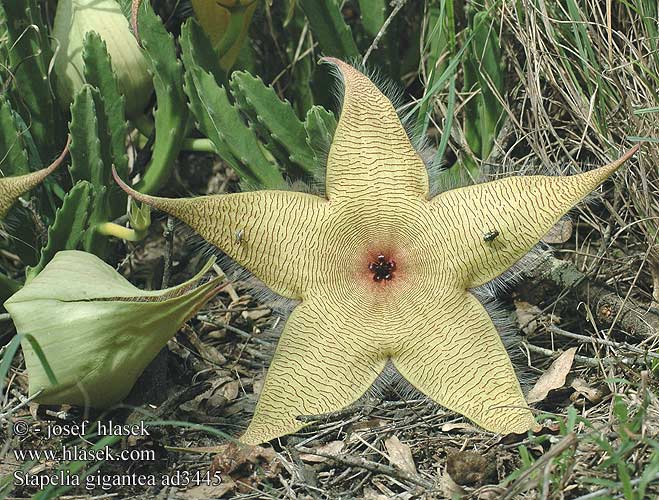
124 233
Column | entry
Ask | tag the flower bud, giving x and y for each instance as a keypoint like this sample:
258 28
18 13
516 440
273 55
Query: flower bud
73 20
226 22
94 330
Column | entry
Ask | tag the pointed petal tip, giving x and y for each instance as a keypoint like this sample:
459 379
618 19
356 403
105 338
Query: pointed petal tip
336 65
42 174
342 66
601 173
330 60
172 206
62 156
14 187
136 195
626 156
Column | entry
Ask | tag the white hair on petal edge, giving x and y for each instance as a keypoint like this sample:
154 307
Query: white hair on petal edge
13 220
505 282
510 337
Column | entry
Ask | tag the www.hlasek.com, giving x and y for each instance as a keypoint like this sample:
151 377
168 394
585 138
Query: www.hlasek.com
70 453
106 482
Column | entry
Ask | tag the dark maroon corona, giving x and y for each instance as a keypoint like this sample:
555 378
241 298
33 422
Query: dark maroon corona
382 268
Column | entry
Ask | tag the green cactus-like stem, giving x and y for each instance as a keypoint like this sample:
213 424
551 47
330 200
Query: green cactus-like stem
275 117
171 114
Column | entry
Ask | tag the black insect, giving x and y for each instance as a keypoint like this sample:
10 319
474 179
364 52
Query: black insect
490 235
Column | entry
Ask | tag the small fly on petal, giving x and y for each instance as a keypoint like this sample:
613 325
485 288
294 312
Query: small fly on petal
490 236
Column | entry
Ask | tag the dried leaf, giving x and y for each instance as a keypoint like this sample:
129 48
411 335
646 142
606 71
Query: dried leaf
560 233
331 448
231 390
400 454
207 352
531 317
370 494
387 494
204 491
458 426
241 461
449 488
583 389
256 314
257 385
553 378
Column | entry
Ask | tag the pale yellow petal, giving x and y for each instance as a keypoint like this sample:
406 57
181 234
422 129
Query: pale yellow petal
519 210
271 233
460 362
325 360
371 150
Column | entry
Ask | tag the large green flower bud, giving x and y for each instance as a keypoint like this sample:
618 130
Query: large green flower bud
94 330
73 20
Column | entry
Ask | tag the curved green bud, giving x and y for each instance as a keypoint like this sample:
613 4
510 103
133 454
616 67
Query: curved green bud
73 20
96 330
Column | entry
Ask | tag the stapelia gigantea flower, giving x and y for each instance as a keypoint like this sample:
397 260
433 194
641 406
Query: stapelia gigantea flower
13 187
97 331
383 272
73 20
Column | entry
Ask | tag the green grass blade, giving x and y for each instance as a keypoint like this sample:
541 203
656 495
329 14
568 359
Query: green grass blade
42 358
7 357
448 122
440 45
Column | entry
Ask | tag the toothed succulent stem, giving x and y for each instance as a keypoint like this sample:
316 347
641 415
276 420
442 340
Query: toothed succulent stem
221 121
274 118
171 114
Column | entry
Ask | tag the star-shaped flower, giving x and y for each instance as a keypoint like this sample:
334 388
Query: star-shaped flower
382 272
